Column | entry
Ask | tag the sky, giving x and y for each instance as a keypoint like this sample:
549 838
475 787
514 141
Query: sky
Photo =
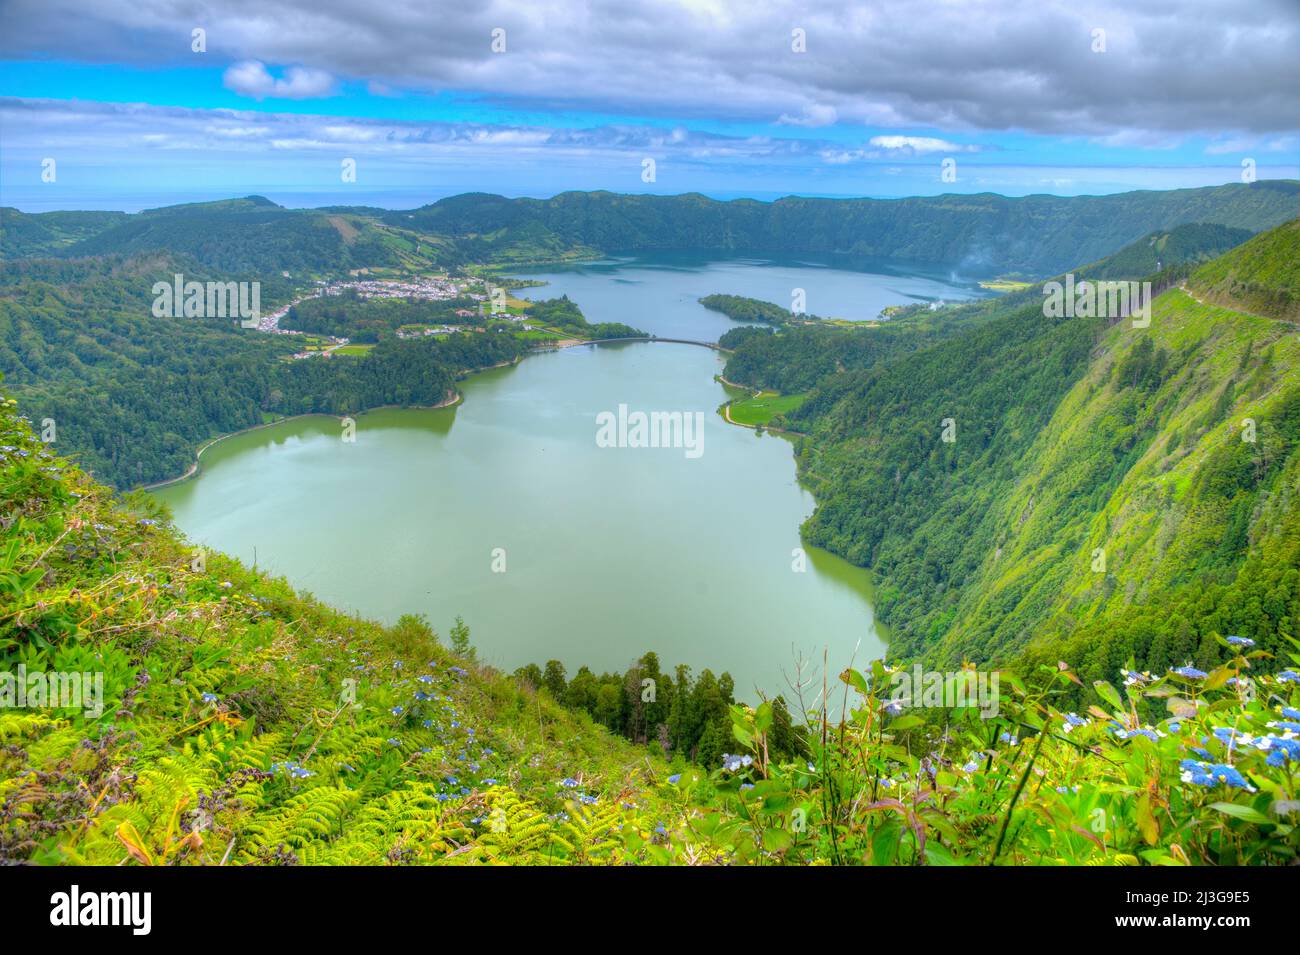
129 104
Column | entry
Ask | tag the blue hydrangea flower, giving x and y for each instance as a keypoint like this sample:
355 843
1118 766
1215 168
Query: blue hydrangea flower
1148 732
569 782
1231 737
1282 750
1288 676
733 763
1241 641
292 769
675 778
1213 774
1190 672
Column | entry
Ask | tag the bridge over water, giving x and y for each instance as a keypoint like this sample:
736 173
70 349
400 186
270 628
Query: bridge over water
645 338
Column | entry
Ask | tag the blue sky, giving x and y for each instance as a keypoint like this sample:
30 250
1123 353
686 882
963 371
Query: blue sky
1006 98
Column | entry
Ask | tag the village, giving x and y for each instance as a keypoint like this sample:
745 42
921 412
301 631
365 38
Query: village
492 304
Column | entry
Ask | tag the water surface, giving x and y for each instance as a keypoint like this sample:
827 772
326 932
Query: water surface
608 552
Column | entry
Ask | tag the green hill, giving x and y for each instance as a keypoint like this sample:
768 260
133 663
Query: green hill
1169 448
983 234
1261 276
253 237
1182 246
238 723
49 233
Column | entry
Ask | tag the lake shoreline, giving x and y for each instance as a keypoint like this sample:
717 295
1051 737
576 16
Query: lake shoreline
454 399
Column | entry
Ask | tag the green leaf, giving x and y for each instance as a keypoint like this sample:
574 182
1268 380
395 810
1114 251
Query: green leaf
1108 693
776 840
906 722
1244 813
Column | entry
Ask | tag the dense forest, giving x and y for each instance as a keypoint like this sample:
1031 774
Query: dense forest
132 395
1033 488
369 320
676 713
741 309
418 754
981 234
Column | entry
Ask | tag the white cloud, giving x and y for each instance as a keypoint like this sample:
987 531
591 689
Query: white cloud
812 116
919 145
251 78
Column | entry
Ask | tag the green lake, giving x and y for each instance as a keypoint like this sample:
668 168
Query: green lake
506 510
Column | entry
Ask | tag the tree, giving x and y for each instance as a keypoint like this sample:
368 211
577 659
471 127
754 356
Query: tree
460 644
554 680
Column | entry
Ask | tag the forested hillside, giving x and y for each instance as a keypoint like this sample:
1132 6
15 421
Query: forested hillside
1034 484
250 238
242 724
979 234
1262 276
133 395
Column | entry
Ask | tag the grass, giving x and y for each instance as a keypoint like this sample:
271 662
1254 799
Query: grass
1004 285
245 724
353 349
761 408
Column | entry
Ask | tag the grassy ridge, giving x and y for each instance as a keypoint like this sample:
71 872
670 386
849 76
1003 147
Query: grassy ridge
1261 276
1026 480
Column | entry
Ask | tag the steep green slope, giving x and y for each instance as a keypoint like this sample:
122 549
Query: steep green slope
243 723
1170 462
1067 437
1183 245
238 723
1261 276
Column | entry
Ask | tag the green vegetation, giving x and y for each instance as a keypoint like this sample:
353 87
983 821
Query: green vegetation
1080 502
675 713
1261 276
1181 246
762 408
1108 492
349 315
133 395
741 309
986 234
565 317
244 724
